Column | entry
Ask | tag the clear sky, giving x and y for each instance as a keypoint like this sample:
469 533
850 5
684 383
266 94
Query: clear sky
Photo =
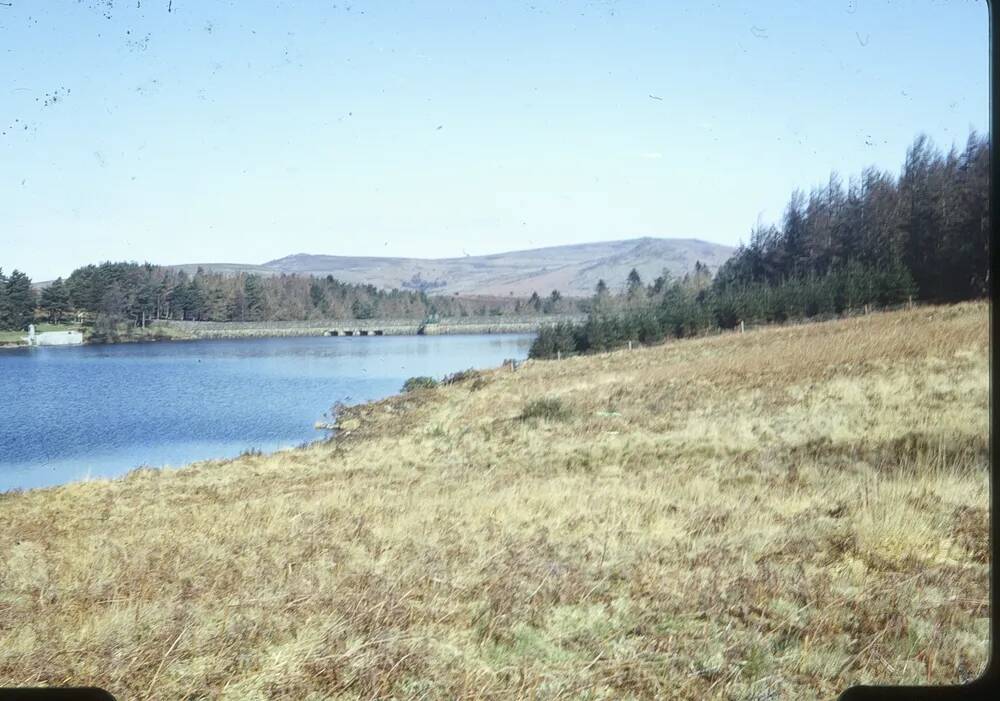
246 131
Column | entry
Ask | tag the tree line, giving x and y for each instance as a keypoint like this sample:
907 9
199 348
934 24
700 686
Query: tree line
881 241
17 301
110 294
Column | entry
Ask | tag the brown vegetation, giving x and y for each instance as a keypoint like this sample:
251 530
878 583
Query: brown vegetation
770 515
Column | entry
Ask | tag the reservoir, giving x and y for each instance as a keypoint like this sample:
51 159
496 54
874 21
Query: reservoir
99 411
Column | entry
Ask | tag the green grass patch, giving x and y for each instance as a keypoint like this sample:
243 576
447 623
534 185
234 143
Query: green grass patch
12 336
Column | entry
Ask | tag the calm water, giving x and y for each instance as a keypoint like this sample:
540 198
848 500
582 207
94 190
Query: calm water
69 413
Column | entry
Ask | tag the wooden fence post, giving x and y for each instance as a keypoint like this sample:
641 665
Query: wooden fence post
630 345
866 310
742 328
558 355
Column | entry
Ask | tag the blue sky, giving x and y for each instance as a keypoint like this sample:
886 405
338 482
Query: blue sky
246 131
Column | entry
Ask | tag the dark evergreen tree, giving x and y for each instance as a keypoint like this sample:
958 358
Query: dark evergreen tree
254 294
535 302
4 306
551 304
55 301
317 294
660 283
633 283
19 301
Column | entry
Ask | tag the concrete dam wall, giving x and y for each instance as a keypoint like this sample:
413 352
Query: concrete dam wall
365 327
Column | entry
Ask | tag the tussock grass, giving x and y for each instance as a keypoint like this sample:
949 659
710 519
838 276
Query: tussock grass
546 408
770 515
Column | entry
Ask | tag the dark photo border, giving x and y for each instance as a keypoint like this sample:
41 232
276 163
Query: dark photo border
986 686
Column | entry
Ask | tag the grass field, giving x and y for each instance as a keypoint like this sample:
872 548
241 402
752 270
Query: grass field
771 515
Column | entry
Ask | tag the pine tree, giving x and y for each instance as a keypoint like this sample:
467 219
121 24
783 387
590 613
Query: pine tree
661 282
195 300
55 301
535 302
362 309
634 283
252 290
317 295
896 284
552 303
5 316
20 301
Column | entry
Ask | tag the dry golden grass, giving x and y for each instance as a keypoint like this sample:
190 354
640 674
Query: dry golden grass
772 515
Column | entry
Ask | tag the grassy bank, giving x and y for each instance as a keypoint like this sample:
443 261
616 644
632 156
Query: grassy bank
769 515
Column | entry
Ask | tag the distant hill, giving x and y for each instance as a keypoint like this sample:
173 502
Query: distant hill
573 269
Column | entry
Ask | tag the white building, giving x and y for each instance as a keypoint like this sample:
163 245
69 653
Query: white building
53 338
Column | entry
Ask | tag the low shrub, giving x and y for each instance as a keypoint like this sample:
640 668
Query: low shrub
557 339
548 409
460 376
422 382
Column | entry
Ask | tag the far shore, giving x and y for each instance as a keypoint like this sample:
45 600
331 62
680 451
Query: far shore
165 330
